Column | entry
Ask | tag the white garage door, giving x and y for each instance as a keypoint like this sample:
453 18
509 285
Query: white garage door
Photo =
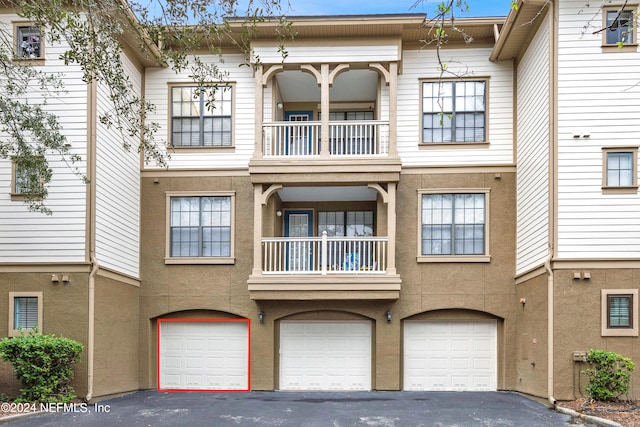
325 355
450 355
203 355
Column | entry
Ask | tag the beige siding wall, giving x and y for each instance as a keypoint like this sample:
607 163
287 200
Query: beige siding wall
117 189
422 64
34 237
598 95
534 134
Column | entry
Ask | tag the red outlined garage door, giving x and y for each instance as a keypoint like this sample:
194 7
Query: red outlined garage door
203 354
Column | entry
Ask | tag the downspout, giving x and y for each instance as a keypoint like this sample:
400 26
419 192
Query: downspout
91 338
553 178
549 270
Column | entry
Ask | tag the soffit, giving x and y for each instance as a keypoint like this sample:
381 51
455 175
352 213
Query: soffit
518 29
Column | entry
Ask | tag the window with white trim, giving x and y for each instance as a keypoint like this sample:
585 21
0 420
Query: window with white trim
201 226
454 111
619 312
25 312
453 224
201 117
28 42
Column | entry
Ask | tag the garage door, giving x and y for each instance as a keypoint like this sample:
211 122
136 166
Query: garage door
203 354
325 355
450 355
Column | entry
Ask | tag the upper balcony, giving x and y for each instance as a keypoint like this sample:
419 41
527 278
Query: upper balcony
326 118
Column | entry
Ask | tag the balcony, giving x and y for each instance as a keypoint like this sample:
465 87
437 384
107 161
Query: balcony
347 138
324 255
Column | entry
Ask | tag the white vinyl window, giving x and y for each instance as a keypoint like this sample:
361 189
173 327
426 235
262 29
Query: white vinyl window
454 112
619 169
201 117
453 224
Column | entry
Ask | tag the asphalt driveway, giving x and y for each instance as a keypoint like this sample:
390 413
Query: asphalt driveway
150 408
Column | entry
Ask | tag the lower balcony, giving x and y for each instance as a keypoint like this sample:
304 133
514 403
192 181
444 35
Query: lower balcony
296 268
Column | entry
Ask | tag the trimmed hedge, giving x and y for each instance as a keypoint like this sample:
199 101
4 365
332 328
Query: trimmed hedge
43 366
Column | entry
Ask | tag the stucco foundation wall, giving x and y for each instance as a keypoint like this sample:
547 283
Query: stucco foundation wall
116 337
64 314
578 326
530 352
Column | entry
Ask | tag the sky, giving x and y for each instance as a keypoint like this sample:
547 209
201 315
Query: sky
477 8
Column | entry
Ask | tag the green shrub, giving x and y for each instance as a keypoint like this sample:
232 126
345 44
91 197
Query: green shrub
609 375
43 366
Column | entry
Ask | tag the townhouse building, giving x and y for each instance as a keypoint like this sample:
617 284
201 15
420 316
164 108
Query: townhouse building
346 217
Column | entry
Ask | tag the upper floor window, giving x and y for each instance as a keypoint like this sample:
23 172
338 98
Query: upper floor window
454 225
26 181
619 27
28 42
619 312
201 117
201 226
350 223
453 111
619 168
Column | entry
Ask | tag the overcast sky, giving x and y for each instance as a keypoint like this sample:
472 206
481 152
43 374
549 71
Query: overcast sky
350 7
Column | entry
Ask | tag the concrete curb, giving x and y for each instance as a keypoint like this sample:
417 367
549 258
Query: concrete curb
9 418
590 418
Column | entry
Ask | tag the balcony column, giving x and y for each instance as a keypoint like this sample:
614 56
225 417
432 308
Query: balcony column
259 113
257 229
391 227
393 111
324 110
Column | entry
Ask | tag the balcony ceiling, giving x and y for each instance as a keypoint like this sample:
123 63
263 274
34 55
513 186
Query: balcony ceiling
327 194
353 85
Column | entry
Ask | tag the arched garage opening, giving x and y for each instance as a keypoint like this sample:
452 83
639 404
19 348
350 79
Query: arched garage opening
451 350
202 350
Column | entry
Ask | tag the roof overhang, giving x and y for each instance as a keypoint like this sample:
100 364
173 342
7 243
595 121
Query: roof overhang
519 28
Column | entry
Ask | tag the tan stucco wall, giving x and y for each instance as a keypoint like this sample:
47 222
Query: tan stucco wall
530 352
116 337
64 314
466 291
577 326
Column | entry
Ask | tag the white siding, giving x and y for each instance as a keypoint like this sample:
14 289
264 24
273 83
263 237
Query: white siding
117 190
35 237
533 153
471 62
597 94
157 91
319 54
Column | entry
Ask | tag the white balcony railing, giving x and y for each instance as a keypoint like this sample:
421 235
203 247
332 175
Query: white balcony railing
346 138
324 255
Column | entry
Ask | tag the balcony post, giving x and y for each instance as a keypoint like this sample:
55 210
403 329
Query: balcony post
324 110
323 253
259 113
257 229
393 110
391 228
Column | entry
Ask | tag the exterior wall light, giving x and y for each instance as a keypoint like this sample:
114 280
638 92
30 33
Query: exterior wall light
261 317
388 315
